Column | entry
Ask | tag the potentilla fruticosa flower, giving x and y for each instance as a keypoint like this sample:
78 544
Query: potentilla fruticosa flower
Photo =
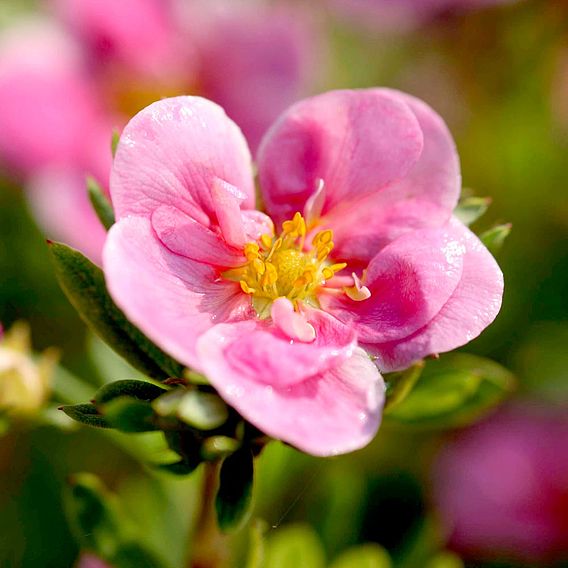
355 265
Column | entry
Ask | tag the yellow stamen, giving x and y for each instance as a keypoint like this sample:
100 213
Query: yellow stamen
281 267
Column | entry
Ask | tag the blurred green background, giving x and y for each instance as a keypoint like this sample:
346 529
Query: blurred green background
495 75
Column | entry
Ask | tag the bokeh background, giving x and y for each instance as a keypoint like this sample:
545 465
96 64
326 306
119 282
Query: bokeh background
495 493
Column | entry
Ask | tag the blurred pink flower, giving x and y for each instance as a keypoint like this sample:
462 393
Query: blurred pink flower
402 15
65 85
91 561
361 183
502 487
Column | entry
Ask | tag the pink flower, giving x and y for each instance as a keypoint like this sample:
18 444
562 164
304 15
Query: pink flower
360 255
502 487
65 86
401 15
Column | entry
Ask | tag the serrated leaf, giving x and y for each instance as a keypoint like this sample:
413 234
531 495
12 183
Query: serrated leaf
454 391
471 208
294 545
141 390
494 238
100 203
86 414
363 556
84 285
130 415
234 498
399 385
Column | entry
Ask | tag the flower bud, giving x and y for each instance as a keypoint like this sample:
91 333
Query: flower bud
24 380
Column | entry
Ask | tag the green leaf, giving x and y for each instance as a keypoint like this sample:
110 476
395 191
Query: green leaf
93 515
471 208
177 468
364 556
114 141
294 545
100 203
130 415
86 414
141 390
234 497
84 285
454 391
445 560
494 238
101 526
399 385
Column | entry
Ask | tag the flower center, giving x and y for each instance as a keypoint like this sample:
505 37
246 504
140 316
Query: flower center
282 267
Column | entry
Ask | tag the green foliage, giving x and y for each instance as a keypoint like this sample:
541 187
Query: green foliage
471 209
294 545
141 390
84 285
100 203
445 560
114 141
102 527
454 391
130 415
400 384
234 497
494 238
85 414
364 556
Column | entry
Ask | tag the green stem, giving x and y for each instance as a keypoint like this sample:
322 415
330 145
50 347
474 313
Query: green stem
210 548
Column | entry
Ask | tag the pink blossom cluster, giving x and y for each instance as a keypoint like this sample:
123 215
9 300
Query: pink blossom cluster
71 77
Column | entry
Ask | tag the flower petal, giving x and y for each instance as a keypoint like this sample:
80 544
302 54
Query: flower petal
473 305
172 299
261 352
183 235
410 280
357 142
334 411
171 152
425 197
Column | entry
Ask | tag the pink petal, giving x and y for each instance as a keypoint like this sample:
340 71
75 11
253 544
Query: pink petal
333 411
47 105
59 201
227 201
425 197
291 323
473 305
171 152
410 281
172 299
257 60
357 142
184 236
256 349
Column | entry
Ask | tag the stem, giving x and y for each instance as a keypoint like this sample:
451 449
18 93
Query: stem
209 544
